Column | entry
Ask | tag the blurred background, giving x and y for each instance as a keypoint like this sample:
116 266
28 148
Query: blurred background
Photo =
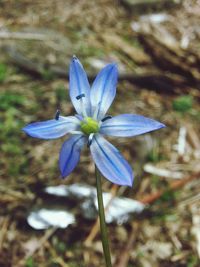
47 221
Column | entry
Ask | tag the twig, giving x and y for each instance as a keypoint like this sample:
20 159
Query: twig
3 232
172 186
123 257
170 60
136 54
149 168
153 80
190 200
57 259
193 137
23 35
181 146
41 243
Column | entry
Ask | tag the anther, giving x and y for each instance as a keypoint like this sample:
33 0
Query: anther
106 118
80 96
57 115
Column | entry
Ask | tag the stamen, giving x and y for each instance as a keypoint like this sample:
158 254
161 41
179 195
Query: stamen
106 118
57 115
74 57
80 96
90 140
96 111
75 132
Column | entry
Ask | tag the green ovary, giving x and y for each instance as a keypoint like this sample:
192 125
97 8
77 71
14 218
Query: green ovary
89 126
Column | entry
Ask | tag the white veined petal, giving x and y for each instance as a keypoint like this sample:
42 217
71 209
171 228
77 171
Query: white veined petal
79 88
70 153
110 162
103 91
52 129
127 125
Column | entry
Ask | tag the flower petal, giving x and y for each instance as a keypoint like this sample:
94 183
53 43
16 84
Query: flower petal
110 162
129 125
52 129
70 154
79 88
103 90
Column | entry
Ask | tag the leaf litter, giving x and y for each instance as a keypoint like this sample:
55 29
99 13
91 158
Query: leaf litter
164 234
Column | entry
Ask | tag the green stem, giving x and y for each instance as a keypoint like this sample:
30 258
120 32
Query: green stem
104 234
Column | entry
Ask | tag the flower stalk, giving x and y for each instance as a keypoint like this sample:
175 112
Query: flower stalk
103 228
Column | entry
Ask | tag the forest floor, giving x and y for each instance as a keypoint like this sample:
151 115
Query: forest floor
158 53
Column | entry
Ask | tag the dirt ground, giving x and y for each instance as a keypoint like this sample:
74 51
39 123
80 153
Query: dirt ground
159 77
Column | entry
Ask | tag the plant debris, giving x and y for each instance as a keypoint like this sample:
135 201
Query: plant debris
158 53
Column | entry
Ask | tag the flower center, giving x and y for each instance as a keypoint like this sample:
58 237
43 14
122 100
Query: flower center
89 125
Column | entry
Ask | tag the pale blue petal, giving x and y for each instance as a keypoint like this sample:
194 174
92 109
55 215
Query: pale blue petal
110 162
79 86
70 154
103 90
52 129
127 125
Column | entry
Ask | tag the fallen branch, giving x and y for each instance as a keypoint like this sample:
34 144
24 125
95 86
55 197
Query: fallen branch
155 80
170 59
149 199
136 54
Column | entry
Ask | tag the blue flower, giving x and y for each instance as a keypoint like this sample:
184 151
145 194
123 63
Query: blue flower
90 124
